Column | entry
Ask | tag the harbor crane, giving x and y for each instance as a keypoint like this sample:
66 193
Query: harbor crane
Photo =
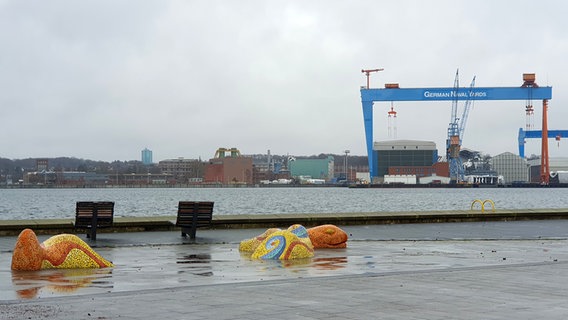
456 131
368 73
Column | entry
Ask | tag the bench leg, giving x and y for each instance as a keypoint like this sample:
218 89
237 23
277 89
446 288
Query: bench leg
93 234
191 232
94 224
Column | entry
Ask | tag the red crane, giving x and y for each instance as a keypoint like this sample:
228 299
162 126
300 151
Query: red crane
368 72
544 163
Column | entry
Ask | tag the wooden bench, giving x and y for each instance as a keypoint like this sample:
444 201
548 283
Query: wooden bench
192 215
93 215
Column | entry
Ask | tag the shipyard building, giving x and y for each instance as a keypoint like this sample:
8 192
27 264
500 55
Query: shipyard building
318 169
407 158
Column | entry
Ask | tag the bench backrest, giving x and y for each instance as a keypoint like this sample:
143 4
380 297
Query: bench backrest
85 210
198 213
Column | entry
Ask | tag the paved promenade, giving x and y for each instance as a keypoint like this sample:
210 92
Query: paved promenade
472 270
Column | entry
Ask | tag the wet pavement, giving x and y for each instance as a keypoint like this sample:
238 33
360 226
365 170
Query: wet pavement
490 270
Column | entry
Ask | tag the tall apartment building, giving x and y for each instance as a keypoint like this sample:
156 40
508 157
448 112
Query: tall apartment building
147 156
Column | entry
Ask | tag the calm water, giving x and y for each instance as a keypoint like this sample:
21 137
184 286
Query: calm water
60 203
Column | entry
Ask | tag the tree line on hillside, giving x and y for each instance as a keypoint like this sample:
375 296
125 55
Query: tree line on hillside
17 167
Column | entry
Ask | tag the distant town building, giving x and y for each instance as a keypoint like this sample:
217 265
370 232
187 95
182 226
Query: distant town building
81 178
268 169
146 179
147 156
314 168
42 165
67 178
182 170
232 168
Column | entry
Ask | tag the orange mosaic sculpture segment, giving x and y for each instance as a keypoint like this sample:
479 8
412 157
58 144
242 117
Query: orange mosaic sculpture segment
328 236
61 251
28 253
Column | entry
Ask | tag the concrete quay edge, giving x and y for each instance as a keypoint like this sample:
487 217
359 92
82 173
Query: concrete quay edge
241 221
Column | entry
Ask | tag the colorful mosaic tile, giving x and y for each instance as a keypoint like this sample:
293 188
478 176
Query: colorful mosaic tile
61 251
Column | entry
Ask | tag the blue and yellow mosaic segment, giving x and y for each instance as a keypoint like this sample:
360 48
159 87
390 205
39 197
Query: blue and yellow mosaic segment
289 244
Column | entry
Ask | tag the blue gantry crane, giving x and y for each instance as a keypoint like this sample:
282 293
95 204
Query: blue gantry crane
456 131
537 134
396 93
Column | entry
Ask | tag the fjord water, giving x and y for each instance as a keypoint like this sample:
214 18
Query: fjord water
139 202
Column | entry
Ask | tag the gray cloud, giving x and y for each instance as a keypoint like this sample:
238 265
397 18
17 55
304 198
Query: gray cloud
104 79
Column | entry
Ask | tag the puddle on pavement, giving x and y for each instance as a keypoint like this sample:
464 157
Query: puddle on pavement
170 266
55 282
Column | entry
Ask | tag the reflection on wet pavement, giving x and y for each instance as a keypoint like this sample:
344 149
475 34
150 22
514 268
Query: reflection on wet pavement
31 284
329 263
196 264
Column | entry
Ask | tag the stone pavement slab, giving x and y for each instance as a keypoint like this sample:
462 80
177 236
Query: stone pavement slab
515 291
433 271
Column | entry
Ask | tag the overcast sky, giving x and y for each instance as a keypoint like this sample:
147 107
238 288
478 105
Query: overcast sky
103 80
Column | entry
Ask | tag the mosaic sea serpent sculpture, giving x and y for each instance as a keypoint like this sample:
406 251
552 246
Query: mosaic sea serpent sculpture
294 243
66 251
